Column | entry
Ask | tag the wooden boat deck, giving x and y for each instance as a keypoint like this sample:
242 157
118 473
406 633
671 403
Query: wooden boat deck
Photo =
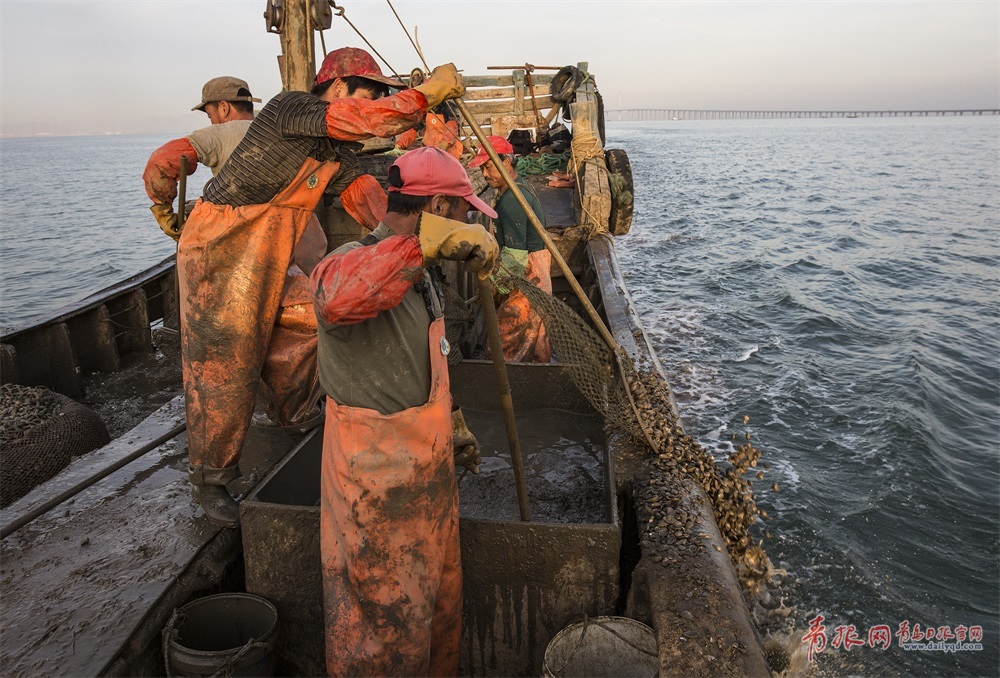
97 577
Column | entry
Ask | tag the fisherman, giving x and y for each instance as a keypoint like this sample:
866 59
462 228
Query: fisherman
289 388
522 254
440 130
392 581
235 250
228 103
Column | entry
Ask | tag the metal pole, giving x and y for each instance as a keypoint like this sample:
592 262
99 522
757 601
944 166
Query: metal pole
503 385
530 213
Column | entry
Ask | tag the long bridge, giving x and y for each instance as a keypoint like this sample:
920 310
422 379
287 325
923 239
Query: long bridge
689 114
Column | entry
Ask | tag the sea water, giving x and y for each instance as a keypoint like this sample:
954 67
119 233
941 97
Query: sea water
834 280
837 282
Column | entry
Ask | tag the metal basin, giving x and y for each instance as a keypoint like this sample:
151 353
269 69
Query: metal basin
523 581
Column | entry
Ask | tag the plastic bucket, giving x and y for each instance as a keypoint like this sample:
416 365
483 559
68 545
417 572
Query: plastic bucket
230 634
602 647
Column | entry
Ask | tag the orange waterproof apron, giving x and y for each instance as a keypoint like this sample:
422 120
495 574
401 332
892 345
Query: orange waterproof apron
232 263
289 378
522 332
392 579
442 135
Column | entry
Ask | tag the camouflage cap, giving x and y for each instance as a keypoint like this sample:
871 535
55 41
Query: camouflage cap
224 88
352 61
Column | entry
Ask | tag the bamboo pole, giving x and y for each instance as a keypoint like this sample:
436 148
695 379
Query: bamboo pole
506 403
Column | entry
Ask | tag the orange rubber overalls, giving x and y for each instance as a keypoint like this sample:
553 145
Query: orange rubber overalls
392 580
522 332
289 381
437 134
232 264
443 135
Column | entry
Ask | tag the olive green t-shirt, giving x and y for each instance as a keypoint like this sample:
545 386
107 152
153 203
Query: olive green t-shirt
511 225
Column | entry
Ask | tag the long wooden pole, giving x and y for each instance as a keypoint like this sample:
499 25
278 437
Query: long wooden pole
616 350
533 218
503 386
528 212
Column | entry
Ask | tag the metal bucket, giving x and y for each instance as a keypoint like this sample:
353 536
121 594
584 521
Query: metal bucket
602 647
229 634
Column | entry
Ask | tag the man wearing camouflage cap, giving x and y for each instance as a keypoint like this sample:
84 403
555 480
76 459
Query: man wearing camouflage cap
237 244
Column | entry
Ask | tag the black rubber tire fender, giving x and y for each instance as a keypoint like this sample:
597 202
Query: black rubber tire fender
564 83
622 191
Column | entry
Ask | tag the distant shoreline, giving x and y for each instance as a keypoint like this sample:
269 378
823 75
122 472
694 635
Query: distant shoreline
611 119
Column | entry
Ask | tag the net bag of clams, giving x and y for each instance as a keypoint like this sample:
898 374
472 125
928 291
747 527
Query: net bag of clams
40 433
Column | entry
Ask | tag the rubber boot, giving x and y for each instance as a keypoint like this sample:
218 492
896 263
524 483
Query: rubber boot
208 488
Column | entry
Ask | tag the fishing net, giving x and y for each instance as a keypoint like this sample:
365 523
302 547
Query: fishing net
636 399
40 433
623 401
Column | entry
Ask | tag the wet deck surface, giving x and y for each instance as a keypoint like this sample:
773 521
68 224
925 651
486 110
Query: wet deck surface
76 582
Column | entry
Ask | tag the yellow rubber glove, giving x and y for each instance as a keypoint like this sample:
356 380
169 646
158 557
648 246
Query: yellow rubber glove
467 451
444 83
442 238
167 220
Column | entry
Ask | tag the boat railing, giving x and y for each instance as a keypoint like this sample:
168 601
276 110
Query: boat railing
96 334
502 103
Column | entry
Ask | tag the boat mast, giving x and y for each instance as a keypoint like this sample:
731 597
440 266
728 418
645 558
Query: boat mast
295 22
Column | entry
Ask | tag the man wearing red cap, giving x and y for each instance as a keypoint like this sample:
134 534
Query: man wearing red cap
234 252
522 254
392 580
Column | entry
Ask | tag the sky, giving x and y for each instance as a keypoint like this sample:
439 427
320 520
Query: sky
137 66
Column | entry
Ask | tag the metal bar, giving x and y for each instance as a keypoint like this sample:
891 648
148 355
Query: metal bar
534 68
182 192
17 524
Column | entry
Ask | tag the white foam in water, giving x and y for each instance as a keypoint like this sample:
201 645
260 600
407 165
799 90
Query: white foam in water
775 420
745 356
786 471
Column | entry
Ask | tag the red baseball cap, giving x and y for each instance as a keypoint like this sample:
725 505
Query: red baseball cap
431 171
348 61
499 144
